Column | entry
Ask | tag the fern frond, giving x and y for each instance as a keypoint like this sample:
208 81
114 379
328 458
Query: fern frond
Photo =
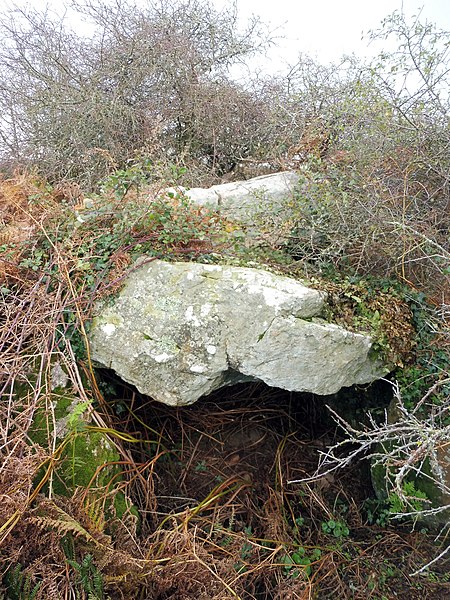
30 594
63 527
64 524
89 577
97 583
93 508
68 547
20 585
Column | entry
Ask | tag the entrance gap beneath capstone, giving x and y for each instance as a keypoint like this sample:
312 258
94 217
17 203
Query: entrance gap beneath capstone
249 433
306 411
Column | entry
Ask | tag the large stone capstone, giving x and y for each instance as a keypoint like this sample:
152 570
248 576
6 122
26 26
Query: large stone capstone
248 200
178 331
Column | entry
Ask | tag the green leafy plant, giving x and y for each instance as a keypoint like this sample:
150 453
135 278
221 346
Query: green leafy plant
201 467
247 548
134 175
35 261
378 512
20 585
76 419
176 172
88 577
300 561
245 552
412 499
298 524
336 528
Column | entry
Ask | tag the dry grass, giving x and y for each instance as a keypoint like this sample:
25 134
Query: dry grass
217 518
226 520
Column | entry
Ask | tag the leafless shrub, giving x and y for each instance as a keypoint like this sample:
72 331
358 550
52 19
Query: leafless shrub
68 99
406 447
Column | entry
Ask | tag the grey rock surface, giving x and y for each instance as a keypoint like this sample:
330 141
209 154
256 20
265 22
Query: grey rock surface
178 331
245 200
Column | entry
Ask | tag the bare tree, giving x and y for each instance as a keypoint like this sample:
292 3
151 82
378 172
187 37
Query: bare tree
77 106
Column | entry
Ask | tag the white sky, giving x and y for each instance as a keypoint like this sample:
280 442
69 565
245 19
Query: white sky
324 29
328 29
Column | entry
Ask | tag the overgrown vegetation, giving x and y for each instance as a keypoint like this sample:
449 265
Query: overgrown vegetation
93 131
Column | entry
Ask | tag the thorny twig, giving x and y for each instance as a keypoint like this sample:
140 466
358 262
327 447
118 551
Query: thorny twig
404 446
